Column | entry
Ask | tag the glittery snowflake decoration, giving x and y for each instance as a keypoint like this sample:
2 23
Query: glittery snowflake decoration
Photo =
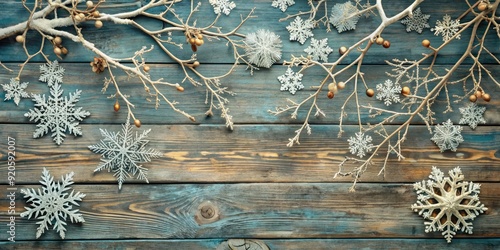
123 152
417 21
263 48
389 92
53 204
360 144
447 136
344 17
291 81
300 29
282 4
15 90
447 28
57 114
51 73
472 115
319 49
448 204
222 6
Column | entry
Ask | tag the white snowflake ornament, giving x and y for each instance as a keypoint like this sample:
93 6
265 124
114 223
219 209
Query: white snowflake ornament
360 144
448 204
263 48
447 28
417 21
472 115
291 81
389 92
344 16
15 90
300 29
447 136
222 6
53 204
282 4
319 49
51 73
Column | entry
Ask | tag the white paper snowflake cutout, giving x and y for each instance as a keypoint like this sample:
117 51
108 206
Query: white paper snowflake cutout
51 73
447 28
222 6
123 152
263 48
344 16
291 81
282 4
300 29
319 49
448 203
360 144
15 90
472 115
389 92
417 22
57 114
53 204
447 136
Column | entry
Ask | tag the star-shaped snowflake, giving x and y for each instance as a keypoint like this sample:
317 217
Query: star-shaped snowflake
447 28
417 21
389 92
123 152
360 144
291 81
222 6
472 115
300 29
15 90
344 16
319 49
448 204
53 204
51 73
447 136
282 4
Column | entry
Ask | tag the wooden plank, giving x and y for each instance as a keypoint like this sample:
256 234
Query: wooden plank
266 210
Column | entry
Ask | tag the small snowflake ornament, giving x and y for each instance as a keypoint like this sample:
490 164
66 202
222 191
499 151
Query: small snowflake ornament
447 136
417 21
222 6
448 204
15 90
282 4
51 73
472 115
291 81
360 144
300 29
263 48
389 92
319 49
447 28
53 204
344 16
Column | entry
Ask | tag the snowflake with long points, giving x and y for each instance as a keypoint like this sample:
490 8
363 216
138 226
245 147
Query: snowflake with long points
53 204
472 115
57 114
282 4
360 144
447 28
344 16
447 136
263 48
417 21
222 6
15 90
300 29
389 92
124 152
448 204
319 49
51 73
291 81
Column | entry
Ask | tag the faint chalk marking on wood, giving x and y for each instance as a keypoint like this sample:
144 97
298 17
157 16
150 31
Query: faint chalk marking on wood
243 244
207 213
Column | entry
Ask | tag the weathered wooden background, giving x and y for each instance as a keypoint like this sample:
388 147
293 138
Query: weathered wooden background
262 189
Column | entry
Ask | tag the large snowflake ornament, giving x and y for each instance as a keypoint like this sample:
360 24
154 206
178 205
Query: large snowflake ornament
263 48
300 29
448 204
124 152
319 49
57 114
447 28
282 4
51 73
360 144
389 92
291 81
53 204
222 6
417 21
15 90
472 115
344 16
447 136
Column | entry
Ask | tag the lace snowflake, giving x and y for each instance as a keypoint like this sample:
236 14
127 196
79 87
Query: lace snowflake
263 48
51 73
282 4
222 6
53 204
417 21
447 28
472 115
291 81
123 152
344 16
448 203
319 49
15 90
360 144
57 114
447 136
389 92
300 29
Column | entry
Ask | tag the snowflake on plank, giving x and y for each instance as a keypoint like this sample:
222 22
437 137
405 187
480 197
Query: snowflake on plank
15 90
300 29
319 49
282 4
472 115
263 48
53 204
222 6
448 203
344 16
291 81
123 152
51 73
447 136
447 28
57 114
360 144
417 21
389 92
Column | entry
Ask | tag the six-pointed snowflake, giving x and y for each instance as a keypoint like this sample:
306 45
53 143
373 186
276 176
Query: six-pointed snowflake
300 29
389 92
344 16
291 81
222 6
51 73
447 136
15 90
417 21
360 144
447 204
263 48
282 4
123 152
472 115
319 49
53 204
447 28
